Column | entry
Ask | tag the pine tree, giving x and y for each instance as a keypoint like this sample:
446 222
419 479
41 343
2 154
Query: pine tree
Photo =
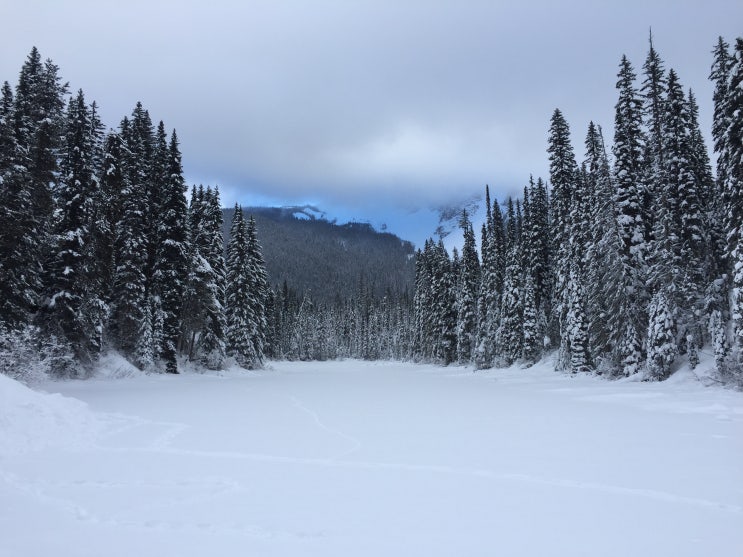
8 143
37 116
736 300
239 313
653 92
732 156
112 182
130 312
563 173
661 338
577 325
531 324
444 285
259 291
608 291
72 293
720 75
509 338
468 285
210 347
171 257
629 173
680 194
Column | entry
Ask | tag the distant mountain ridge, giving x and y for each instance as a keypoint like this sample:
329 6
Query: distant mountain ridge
328 260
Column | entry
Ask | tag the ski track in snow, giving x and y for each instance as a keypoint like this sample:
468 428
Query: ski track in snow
442 469
355 443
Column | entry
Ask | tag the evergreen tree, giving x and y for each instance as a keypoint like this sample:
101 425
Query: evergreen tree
577 325
509 338
37 118
210 347
661 338
653 91
468 285
239 312
72 292
629 173
130 312
720 75
732 156
531 324
112 182
680 196
171 259
563 173
258 282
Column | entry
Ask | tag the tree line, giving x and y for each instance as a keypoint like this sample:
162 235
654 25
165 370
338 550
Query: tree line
623 262
99 247
628 261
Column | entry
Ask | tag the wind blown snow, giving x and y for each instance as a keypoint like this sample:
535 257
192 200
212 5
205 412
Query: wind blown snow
359 458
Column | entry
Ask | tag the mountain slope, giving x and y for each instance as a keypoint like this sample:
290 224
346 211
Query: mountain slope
329 260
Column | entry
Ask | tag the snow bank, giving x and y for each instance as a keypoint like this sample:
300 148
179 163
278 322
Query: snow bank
30 420
113 365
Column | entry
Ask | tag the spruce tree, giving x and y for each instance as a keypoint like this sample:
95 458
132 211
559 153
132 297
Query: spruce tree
210 346
258 282
71 291
661 338
130 312
629 174
733 188
679 194
238 309
468 286
171 256
563 174
531 324
36 119
577 325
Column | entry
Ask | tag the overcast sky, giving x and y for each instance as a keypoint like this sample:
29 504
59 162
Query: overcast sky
367 108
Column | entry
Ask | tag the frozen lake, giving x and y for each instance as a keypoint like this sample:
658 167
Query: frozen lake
371 459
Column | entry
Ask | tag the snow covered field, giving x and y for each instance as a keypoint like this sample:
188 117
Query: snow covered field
380 459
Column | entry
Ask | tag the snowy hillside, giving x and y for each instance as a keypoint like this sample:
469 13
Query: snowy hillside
358 458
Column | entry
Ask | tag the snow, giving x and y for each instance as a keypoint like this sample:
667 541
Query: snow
360 458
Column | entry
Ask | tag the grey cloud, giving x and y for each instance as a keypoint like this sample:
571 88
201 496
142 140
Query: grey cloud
363 103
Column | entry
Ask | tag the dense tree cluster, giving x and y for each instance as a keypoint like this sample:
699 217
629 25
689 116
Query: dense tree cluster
363 326
99 247
626 259
632 259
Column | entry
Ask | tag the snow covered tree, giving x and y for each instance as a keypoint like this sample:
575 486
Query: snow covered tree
130 316
563 174
679 194
468 286
577 325
532 332
209 268
259 290
629 173
661 338
509 338
653 92
72 297
171 256
36 120
112 182
241 326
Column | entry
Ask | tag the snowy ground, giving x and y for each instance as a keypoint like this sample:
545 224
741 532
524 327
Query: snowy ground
378 459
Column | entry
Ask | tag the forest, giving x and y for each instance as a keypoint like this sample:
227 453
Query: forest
627 261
